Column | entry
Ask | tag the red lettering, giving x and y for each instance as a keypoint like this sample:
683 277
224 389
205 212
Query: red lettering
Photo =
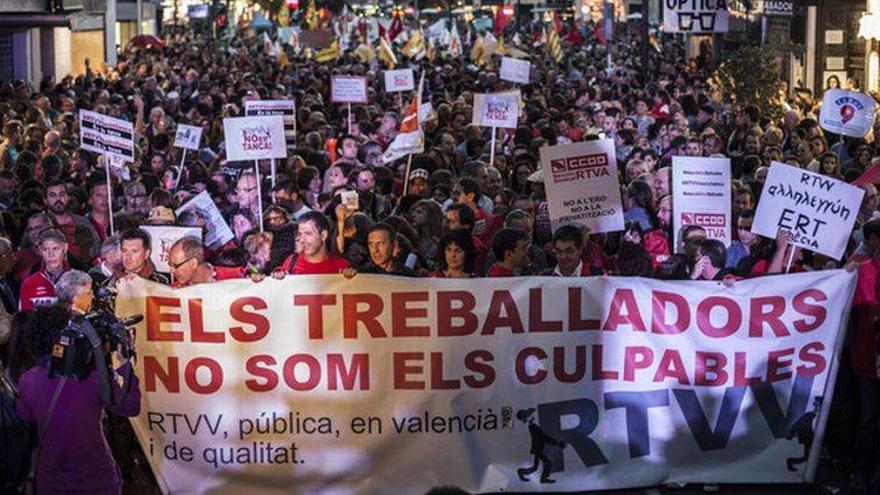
636 358
671 366
599 373
254 366
215 372
197 325
494 320
772 317
659 301
812 354
400 313
740 371
152 370
521 361
402 369
704 320
710 362
259 322
369 316
359 370
624 298
155 318
476 361
818 312
438 382
446 313
314 372
315 303
776 363
580 364
575 321
536 317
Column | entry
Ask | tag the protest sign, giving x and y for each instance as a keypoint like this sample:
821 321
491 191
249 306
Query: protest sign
188 137
254 138
106 135
701 196
285 108
515 70
217 231
818 210
399 80
348 89
582 185
849 113
162 237
695 16
497 109
390 385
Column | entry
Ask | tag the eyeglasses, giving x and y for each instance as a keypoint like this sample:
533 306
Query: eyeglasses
175 266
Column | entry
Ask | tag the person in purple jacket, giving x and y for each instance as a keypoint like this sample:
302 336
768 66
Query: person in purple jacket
73 456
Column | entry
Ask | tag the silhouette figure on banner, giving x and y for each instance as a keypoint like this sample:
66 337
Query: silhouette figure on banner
539 441
804 431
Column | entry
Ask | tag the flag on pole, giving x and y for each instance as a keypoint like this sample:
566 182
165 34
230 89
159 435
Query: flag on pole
386 53
395 28
554 45
415 47
410 138
329 54
540 37
455 49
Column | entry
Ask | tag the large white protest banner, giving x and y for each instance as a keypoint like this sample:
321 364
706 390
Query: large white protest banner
390 385
254 138
217 231
497 109
285 108
188 137
399 80
348 89
701 196
515 70
582 185
849 113
818 210
162 237
106 135
696 16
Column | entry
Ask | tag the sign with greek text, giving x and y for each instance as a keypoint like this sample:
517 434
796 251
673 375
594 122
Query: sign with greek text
582 185
188 137
254 138
399 80
818 210
162 237
850 113
515 70
497 109
348 89
390 385
695 16
285 108
701 196
106 135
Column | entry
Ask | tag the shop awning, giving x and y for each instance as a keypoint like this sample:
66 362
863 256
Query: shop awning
32 20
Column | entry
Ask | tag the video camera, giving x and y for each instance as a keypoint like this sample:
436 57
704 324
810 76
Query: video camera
88 341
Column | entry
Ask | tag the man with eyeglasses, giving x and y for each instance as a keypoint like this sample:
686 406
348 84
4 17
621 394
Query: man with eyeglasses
247 197
186 262
568 246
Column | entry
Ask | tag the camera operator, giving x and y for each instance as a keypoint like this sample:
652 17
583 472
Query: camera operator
73 455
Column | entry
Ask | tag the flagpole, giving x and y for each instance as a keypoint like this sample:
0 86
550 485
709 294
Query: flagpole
109 193
790 258
259 193
349 117
273 173
406 178
492 149
180 170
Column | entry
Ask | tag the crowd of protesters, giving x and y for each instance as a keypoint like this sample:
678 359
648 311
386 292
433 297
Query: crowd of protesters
460 217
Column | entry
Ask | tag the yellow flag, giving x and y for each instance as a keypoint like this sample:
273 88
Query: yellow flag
477 51
329 54
312 15
554 45
364 53
386 53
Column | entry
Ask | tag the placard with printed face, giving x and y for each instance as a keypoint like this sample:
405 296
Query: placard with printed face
188 137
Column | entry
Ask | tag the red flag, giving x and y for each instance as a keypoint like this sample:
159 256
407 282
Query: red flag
574 35
599 34
382 33
395 28
557 22
871 176
501 19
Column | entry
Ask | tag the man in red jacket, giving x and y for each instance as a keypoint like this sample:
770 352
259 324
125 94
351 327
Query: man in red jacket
39 288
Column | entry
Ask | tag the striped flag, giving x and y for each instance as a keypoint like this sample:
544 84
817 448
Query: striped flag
329 54
386 53
554 45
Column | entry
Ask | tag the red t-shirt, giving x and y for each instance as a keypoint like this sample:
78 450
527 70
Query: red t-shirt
332 264
497 271
865 308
